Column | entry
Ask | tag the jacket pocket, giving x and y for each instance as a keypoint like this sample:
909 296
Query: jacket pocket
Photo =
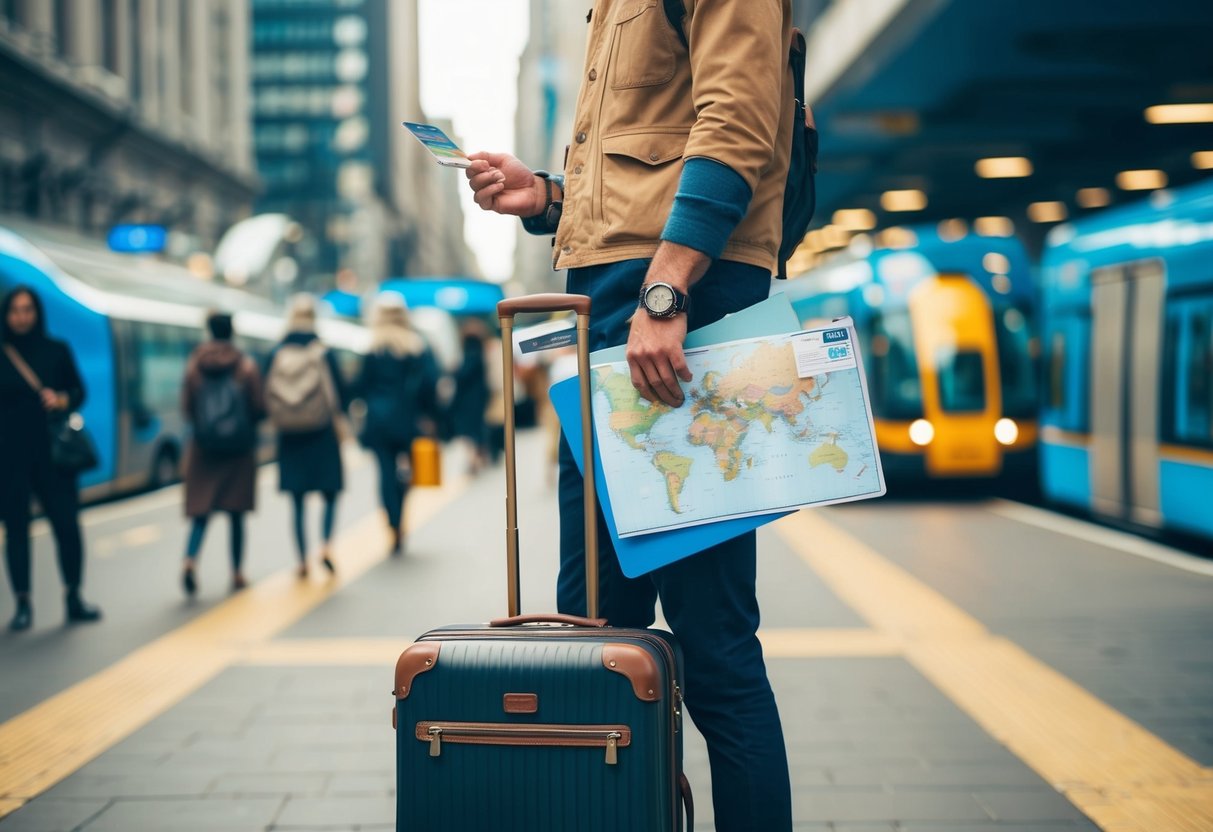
640 173
643 49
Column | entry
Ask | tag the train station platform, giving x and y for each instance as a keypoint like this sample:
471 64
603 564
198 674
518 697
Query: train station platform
952 665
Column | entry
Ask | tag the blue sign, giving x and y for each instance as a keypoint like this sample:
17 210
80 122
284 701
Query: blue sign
831 336
134 239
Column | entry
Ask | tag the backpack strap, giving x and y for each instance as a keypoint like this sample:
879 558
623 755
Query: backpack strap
675 11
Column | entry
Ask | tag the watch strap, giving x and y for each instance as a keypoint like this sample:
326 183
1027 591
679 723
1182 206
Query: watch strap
547 220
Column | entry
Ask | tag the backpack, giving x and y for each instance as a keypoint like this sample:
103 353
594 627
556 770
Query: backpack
223 425
299 394
800 190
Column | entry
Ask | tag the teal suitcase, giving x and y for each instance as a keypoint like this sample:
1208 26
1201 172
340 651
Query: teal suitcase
542 723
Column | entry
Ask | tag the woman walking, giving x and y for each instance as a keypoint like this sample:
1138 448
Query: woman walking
39 384
222 400
397 383
305 398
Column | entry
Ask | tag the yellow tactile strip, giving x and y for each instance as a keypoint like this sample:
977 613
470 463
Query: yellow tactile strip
1119 774
56 737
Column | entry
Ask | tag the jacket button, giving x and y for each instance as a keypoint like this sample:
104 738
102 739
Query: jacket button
581 137
577 170
654 156
593 75
567 249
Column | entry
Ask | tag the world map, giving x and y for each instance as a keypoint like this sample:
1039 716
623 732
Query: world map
751 438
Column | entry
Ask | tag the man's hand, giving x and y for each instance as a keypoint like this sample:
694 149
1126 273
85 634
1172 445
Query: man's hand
655 357
505 185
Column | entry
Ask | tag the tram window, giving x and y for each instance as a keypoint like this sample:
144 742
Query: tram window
1193 423
962 381
894 384
1016 362
1057 372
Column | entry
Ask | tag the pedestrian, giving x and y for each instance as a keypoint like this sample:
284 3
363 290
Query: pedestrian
673 187
398 384
306 399
471 393
222 400
39 386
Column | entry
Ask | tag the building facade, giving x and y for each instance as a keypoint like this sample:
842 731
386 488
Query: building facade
331 81
118 111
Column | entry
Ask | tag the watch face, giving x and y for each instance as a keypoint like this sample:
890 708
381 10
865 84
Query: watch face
659 299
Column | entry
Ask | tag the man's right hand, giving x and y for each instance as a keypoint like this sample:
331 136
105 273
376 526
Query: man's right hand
505 185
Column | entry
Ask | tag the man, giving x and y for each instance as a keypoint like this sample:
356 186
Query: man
669 216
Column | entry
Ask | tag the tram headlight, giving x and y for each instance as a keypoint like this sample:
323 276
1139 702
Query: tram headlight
921 432
1006 431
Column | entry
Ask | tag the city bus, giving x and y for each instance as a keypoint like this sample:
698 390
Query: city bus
1127 417
131 322
946 330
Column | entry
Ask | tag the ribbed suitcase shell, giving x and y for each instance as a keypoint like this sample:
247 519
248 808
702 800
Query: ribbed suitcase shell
506 788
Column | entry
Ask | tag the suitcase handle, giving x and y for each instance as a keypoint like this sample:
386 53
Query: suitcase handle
506 310
554 618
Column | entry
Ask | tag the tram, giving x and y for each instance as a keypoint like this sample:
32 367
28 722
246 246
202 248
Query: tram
1127 417
947 332
131 323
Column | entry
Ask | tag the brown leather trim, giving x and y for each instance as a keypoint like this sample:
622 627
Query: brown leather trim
553 618
520 703
638 665
530 734
415 660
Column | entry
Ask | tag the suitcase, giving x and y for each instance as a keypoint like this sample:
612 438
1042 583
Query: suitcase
541 723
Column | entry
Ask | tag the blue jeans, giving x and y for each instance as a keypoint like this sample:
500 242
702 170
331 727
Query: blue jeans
709 598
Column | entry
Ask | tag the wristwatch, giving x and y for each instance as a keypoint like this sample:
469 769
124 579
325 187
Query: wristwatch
547 220
661 300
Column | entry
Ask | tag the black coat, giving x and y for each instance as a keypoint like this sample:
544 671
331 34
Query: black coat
311 461
399 392
24 422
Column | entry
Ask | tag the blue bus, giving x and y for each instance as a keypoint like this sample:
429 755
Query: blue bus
131 323
946 326
1127 420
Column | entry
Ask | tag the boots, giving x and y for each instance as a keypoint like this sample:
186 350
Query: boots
78 612
23 618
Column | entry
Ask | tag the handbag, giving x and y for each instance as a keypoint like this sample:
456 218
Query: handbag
71 448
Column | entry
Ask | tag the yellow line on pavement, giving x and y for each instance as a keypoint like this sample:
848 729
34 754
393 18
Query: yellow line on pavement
1119 774
776 644
41 746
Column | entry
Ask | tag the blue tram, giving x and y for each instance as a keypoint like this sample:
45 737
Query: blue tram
131 323
1127 417
947 331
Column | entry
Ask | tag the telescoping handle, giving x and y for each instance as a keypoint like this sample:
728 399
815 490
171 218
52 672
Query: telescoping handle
506 310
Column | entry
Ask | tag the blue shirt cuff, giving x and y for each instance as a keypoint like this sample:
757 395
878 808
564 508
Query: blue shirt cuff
712 198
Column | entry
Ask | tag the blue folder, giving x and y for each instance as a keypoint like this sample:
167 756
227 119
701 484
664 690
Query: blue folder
642 554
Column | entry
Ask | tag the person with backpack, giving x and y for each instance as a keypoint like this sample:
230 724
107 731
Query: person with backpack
398 384
671 213
305 399
39 387
222 400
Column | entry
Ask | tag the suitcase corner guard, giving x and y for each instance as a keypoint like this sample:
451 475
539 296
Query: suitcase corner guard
638 666
415 660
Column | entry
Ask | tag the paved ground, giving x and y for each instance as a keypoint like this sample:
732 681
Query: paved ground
939 666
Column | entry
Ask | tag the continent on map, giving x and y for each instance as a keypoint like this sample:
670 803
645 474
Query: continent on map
723 434
765 385
631 417
829 453
676 469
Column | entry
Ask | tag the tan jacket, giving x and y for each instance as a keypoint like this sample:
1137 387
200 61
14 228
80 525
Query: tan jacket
645 105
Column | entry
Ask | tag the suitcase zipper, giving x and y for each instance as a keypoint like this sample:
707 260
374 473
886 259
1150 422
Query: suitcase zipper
608 737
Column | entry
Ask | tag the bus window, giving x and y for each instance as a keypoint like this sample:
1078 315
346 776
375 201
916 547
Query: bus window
962 381
1057 372
1016 362
894 386
1192 419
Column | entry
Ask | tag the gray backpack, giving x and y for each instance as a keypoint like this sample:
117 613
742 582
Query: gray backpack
299 392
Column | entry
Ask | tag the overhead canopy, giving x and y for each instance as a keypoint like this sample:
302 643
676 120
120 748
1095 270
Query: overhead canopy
1064 84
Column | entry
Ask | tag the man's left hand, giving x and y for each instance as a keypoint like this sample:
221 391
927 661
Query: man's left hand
655 357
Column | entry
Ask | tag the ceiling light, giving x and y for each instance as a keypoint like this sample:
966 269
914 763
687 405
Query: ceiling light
1203 160
994 226
835 236
897 237
1180 114
1141 180
855 219
1003 167
1047 211
912 200
995 262
1093 197
952 230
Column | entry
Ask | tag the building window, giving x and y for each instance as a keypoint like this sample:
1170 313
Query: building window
186 53
8 11
62 19
109 35
133 35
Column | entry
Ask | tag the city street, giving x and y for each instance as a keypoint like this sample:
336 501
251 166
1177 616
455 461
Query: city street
940 664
